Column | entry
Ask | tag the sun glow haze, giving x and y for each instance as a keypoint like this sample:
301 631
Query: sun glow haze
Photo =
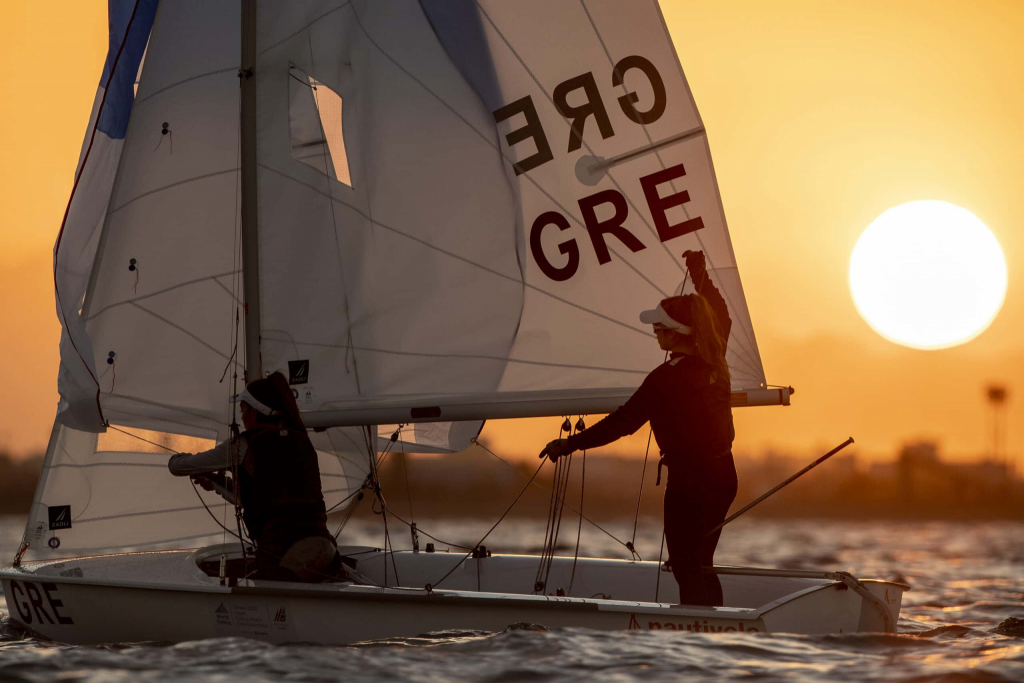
928 275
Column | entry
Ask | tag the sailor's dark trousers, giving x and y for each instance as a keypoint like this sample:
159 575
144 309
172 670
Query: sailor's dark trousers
696 501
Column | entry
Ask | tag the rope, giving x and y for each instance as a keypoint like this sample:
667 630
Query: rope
152 443
430 587
433 538
563 467
657 583
512 467
580 426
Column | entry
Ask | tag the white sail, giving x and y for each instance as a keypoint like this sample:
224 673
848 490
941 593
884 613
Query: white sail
459 203
432 270
106 492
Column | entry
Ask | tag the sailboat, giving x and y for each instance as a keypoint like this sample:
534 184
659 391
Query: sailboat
427 214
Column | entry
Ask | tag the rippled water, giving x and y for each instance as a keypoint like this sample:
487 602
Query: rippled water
963 620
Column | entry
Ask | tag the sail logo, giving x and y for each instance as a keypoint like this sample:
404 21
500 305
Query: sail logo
604 212
298 371
60 516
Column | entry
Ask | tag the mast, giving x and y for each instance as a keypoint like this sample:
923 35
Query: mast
250 223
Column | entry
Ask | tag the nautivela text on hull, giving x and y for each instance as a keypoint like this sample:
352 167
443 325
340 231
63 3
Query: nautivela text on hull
167 596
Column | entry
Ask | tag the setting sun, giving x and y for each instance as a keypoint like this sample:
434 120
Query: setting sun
928 275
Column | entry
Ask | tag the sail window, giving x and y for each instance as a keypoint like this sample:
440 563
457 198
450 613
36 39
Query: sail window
317 138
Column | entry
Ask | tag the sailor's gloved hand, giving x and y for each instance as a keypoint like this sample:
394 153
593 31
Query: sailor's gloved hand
556 449
695 264
208 481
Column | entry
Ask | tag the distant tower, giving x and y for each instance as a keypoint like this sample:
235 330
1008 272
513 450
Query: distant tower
997 394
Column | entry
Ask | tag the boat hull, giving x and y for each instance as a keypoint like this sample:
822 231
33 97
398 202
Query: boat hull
165 597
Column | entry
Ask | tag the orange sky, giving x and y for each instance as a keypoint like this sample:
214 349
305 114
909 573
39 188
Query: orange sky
820 115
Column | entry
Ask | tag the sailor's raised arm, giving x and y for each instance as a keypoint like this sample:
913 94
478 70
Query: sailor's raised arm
216 459
706 288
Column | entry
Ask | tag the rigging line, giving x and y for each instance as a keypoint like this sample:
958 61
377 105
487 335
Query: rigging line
579 529
497 147
210 512
662 163
542 487
468 261
152 443
640 493
661 553
159 292
371 447
67 209
467 356
556 507
408 490
503 515
433 538
334 218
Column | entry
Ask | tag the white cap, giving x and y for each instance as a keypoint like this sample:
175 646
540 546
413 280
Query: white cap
254 403
660 316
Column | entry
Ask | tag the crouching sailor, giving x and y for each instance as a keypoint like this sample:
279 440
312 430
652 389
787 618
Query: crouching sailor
278 483
687 401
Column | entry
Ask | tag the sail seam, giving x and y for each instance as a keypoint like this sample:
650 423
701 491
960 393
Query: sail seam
304 28
172 185
138 514
108 464
421 354
182 330
497 148
184 81
160 405
164 291
461 258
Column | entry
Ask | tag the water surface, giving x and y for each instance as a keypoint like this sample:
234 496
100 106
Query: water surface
963 620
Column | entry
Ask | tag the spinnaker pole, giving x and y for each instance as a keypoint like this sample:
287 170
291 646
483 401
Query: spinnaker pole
250 222
785 483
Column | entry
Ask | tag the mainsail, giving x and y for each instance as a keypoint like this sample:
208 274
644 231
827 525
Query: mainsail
506 185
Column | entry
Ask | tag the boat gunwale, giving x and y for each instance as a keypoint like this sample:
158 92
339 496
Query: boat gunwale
352 591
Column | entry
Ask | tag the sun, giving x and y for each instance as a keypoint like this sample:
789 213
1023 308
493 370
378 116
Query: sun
928 275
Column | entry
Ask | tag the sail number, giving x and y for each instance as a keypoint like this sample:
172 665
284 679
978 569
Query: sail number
598 229
30 599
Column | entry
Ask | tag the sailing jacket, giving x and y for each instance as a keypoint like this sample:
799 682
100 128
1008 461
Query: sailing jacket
687 404
279 482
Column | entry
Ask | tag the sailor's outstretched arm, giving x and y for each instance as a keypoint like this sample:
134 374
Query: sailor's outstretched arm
629 417
216 459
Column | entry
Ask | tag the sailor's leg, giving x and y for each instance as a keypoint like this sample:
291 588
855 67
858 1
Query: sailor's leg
683 525
722 487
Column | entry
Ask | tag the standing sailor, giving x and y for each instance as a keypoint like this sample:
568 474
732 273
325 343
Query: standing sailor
687 402
279 484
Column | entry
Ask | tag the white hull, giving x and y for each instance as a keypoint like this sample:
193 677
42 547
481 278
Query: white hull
164 596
